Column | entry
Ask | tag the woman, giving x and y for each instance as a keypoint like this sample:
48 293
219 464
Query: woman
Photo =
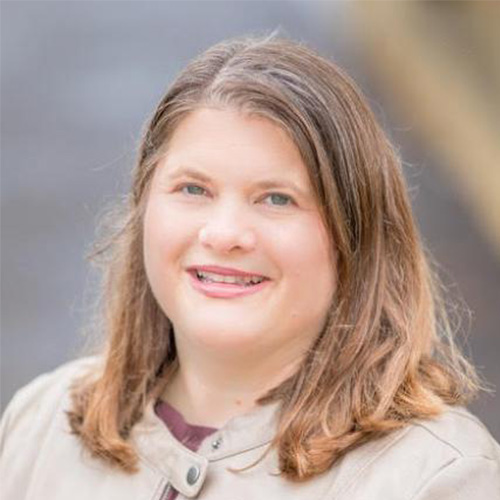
273 329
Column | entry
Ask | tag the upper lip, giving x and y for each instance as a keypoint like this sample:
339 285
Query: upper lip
225 271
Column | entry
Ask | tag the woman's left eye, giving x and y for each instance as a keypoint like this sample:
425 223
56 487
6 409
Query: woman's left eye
279 199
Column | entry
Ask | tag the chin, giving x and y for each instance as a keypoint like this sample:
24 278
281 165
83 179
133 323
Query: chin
224 336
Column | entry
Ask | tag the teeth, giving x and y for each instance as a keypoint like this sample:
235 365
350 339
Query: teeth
238 280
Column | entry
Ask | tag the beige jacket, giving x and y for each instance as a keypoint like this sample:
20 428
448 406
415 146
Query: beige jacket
451 458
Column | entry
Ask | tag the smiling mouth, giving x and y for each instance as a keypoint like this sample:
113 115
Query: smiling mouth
238 281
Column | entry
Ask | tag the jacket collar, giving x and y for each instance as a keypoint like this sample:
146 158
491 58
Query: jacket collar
186 470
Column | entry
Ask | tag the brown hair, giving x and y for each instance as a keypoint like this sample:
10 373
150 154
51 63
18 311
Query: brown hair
386 355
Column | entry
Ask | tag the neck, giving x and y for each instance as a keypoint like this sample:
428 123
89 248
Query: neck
210 390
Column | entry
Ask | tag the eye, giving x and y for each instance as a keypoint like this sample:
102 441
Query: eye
279 199
192 190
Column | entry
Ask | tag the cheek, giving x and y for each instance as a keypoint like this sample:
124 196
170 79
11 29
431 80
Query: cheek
162 244
308 280
305 250
154 233
308 264
165 234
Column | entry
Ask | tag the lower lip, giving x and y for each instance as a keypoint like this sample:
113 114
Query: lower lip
225 290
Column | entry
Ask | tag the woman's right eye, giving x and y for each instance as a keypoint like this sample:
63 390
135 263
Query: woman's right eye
192 190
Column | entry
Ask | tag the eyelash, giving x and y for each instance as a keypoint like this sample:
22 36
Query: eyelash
281 195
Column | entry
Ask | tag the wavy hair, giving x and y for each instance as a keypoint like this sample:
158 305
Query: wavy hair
386 355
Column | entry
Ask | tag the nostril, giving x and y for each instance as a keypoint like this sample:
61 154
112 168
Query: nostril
248 240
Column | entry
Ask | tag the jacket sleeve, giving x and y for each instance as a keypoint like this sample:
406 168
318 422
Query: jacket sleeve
19 441
465 478
26 423
5 423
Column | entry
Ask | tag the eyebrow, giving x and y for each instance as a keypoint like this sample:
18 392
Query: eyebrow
264 184
191 172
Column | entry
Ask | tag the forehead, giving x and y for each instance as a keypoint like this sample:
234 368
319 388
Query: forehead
232 142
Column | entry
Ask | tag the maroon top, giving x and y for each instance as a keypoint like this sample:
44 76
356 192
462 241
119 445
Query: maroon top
191 436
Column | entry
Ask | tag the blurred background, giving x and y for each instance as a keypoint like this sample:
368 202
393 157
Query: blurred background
79 79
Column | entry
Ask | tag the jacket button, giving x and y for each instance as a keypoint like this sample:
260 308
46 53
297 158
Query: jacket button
216 444
193 475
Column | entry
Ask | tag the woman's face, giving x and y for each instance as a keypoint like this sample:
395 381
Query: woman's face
232 200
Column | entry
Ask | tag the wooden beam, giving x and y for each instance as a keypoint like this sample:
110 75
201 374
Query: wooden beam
430 81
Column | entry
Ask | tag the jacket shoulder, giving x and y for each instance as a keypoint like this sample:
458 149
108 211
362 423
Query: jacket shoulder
460 432
43 395
35 416
424 457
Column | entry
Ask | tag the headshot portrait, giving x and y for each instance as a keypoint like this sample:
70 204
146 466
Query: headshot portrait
249 250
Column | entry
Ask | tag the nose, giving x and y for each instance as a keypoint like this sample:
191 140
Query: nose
227 230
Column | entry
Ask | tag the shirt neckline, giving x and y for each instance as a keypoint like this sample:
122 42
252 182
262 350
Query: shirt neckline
188 434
